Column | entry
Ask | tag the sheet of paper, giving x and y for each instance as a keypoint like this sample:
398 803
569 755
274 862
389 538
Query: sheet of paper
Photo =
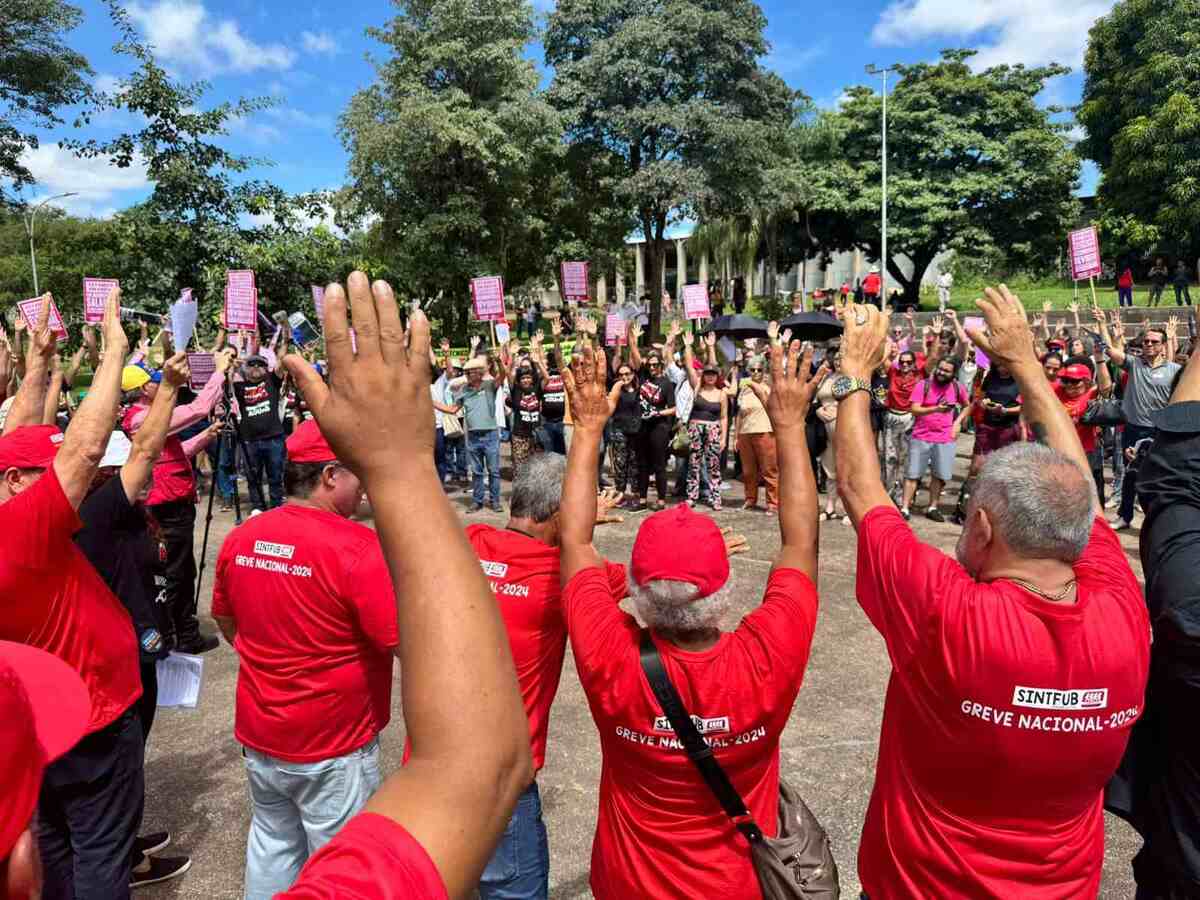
318 295
978 323
184 313
180 676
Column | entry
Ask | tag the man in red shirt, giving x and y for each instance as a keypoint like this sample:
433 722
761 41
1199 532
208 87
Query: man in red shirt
431 827
895 437
91 799
303 595
1017 670
522 563
661 832
1075 389
872 286
172 499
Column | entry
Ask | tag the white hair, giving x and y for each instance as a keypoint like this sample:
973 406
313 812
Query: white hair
1040 502
667 605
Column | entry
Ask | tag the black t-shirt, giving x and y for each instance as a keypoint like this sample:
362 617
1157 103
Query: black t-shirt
1004 391
628 416
554 398
527 410
656 394
258 403
119 544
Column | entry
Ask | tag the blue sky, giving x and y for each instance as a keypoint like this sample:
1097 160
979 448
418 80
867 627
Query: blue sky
312 57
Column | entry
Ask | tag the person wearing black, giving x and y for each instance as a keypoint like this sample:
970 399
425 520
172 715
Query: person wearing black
656 396
998 424
261 428
1157 788
623 437
1180 283
716 302
1158 281
739 295
554 393
125 545
525 401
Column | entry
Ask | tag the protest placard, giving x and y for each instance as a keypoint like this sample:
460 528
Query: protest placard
31 310
95 295
978 323
184 313
502 332
487 298
241 299
614 330
303 333
695 301
574 280
201 367
1084 244
318 294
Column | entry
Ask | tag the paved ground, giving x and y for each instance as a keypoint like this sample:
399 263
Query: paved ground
196 786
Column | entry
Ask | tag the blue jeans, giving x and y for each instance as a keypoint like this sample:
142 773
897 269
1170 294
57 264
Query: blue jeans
266 454
1129 437
520 867
226 467
483 449
456 456
439 453
297 808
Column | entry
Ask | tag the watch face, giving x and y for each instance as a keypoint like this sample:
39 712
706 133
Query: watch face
842 385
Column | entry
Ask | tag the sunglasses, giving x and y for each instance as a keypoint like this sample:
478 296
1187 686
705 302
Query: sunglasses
1148 342
905 364
755 371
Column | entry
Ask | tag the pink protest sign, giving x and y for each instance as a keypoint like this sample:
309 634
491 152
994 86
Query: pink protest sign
241 299
95 295
1084 249
201 366
614 330
31 310
487 297
978 324
318 293
574 280
695 301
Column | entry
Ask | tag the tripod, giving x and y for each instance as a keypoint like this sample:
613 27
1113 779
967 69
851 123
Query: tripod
230 435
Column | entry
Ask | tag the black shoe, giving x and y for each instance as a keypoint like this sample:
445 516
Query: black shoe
907 515
496 507
933 514
475 507
149 844
154 869
199 644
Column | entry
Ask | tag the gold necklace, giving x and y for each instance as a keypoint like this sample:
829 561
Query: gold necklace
1034 589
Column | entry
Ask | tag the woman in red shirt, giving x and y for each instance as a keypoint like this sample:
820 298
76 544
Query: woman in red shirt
1076 389
1125 288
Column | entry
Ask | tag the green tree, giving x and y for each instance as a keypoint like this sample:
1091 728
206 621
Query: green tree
974 164
672 92
454 151
39 75
1141 112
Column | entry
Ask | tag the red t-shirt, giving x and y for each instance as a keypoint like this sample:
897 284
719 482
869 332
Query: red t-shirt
524 575
1005 717
661 832
1075 409
371 858
172 478
900 387
52 598
316 626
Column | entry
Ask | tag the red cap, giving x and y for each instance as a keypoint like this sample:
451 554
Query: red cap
45 709
308 445
680 545
30 447
1078 371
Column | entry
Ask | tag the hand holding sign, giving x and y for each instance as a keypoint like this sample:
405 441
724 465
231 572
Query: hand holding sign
175 371
42 343
111 330
95 293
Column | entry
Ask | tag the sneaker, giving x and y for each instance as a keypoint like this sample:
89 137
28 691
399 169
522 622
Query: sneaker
497 507
907 515
255 512
155 869
199 644
475 507
1119 524
933 514
148 844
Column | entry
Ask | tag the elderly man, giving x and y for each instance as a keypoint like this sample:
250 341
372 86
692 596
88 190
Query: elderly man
661 832
1158 787
303 595
172 498
1017 670
91 799
476 397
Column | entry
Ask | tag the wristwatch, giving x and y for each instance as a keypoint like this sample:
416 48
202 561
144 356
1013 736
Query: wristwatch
844 386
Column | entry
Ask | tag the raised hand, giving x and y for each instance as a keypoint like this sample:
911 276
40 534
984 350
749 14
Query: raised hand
710 339
1073 307
590 325
224 360
689 339
772 331
734 543
1008 339
42 342
937 324
556 327
376 412
175 371
1172 326
89 337
952 316
635 331
1047 306
606 501
586 384
792 386
864 340
445 345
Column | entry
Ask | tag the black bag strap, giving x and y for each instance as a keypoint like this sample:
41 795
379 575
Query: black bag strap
697 750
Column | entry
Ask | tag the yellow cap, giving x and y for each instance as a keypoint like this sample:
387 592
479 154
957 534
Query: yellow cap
133 377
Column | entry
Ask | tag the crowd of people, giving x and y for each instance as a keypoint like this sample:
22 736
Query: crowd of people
1020 667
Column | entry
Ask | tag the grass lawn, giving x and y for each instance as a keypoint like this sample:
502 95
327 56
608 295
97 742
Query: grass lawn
1036 294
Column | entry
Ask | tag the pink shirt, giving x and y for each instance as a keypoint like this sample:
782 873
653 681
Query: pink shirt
936 427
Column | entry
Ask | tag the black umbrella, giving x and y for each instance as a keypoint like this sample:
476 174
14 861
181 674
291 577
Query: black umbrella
812 326
739 326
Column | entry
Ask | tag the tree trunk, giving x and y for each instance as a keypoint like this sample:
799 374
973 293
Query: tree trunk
772 257
656 247
912 286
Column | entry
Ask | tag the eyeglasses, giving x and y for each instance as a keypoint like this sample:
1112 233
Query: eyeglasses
756 371
904 364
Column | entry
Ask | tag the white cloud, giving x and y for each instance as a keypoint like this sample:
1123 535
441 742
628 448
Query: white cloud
96 182
185 34
291 116
319 42
1032 32
787 57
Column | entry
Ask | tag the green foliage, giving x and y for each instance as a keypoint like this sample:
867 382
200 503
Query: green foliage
1141 110
39 75
671 96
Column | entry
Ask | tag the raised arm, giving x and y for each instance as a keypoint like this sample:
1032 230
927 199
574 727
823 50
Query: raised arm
792 391
1172 332
693 376
635 336
1074 308
962 342
53 392
148 441
1008 342
87 436
1116 348
200 408
28 406
462 708
864 343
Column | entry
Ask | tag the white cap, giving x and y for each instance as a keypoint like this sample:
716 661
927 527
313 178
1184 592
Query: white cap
117 452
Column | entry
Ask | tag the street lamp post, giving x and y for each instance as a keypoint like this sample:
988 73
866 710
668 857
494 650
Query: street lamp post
28 220
874 70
